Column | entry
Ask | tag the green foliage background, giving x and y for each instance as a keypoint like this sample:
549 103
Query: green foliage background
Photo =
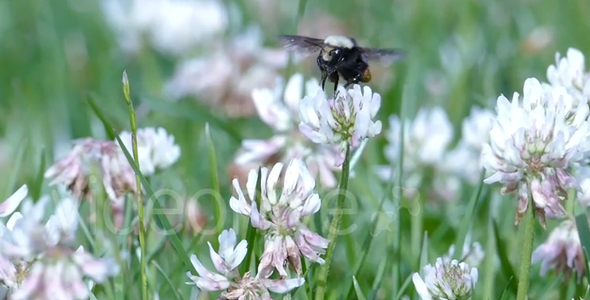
44 92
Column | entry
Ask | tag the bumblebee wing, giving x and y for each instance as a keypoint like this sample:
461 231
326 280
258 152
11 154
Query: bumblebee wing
384 56
301 44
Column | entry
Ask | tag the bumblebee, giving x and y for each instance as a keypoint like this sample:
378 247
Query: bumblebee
341 56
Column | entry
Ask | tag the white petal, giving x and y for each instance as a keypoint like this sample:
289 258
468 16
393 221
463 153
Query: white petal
9 205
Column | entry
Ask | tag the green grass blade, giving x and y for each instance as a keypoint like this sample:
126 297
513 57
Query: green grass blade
403 288
152 254
172 286
424 251
368 241
138 195
379 277
176 243
584 234
508 288
215 182
488 277
397 241
96 109
20 154
468 216
300 12
357 289
506 266
37 187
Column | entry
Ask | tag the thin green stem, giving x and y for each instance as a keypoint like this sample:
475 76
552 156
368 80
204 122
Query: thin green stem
127 93
527 251
334 227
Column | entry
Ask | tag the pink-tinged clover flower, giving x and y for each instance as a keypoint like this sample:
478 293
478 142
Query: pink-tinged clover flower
282 206
61 274
228 280
36 258
562 252
446 280
105 161
534 144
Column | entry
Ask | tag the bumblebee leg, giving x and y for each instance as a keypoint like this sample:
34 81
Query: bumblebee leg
336 84
324 77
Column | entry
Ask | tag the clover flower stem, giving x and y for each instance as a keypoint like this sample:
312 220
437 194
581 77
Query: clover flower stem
334 227
527 251
126 92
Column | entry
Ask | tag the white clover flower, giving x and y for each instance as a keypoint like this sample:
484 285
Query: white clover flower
465 159
226 261
280 110
562 251
570 72
74 170
171 27
475 129
449 280
230 256
472 253
229 280
27 235
9 271
91 158
346 119
36 261
8 276
280 213
426 139
534 144
155 149
61 273
118 179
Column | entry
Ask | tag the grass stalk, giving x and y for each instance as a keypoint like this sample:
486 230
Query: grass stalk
127 93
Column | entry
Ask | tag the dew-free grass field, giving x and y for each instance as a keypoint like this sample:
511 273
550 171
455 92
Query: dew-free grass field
57 57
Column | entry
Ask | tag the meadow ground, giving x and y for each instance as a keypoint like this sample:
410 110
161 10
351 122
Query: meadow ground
211 74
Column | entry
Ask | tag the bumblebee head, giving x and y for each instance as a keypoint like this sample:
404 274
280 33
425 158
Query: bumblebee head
335 44
338 41
329 53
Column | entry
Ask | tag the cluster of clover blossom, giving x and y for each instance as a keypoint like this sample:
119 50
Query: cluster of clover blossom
312 134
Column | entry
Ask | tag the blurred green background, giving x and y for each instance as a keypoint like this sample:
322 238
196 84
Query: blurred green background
55 55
